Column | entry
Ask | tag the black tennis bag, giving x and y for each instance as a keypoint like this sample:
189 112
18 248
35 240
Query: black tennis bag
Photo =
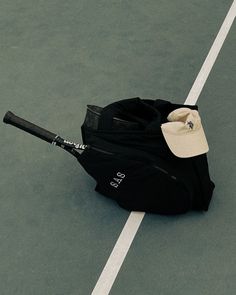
132 163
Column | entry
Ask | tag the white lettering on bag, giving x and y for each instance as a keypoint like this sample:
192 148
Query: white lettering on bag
117 180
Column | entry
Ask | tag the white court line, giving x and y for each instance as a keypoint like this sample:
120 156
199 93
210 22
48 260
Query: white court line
118 254
115 261
212 56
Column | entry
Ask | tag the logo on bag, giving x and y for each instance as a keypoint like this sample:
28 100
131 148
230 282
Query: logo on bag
117 180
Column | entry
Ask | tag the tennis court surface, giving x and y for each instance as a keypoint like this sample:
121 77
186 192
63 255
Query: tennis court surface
57 235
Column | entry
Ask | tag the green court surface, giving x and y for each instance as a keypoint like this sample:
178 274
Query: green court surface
56 232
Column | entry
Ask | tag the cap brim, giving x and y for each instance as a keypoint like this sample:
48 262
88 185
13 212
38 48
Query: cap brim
186 145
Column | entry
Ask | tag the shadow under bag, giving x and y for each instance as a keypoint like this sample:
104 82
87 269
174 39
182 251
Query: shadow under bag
132 163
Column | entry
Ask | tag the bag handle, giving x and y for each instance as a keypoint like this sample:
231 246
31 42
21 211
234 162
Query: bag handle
132 109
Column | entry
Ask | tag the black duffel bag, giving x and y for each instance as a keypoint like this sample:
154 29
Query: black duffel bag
132 163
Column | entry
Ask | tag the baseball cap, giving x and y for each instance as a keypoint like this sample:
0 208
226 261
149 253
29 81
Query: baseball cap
184 133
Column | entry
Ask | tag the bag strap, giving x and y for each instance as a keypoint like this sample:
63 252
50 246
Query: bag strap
132 109
149 114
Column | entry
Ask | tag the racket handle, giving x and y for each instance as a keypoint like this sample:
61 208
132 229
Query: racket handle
29 127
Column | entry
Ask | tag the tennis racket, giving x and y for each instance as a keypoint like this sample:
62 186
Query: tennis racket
69 146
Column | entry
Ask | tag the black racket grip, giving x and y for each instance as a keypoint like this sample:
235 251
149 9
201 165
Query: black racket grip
29 127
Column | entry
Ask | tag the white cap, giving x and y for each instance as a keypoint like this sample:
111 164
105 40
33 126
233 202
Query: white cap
184 133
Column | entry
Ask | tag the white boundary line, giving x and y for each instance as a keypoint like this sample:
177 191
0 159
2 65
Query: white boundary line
121 248
212 56
118 254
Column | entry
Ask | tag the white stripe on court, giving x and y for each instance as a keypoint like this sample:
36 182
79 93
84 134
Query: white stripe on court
118 254
115 261
211 57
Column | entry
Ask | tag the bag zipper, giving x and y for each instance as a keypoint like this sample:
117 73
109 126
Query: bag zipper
155 166
101 150
164 171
